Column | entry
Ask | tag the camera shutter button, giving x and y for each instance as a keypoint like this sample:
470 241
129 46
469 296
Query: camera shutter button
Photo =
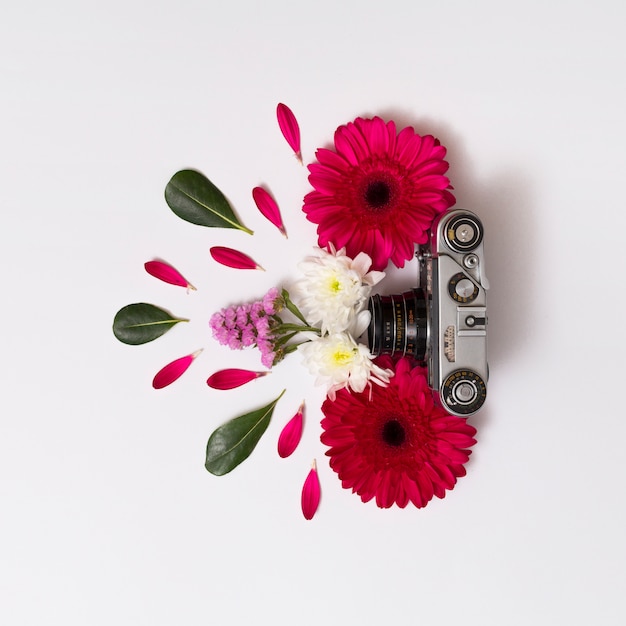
470 261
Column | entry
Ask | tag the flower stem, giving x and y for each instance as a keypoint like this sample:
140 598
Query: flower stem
292 308
295 327
284 339
292 347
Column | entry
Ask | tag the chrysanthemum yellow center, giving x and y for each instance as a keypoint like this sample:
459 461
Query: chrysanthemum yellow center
342 356
335 285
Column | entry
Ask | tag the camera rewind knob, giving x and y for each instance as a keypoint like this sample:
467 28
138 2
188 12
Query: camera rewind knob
463 392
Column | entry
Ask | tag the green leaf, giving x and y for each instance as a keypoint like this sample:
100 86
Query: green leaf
234 441
140 323
194 198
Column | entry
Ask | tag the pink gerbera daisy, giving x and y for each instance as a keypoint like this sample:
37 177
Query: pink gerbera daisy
378 191
392 443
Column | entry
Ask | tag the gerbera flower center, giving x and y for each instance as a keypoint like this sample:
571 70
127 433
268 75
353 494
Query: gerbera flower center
377 194
393 433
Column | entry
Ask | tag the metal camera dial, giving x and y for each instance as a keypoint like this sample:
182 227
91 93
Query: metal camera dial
462 289
463 392
463 233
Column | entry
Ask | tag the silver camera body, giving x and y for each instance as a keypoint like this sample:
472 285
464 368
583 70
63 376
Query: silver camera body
443 322
452 274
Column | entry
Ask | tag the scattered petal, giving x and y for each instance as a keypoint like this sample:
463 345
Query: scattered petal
268 208
167 274
289 128
173 371
234 258
291 434
231 378
311 493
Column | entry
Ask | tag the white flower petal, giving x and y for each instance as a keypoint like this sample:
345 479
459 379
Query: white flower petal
334 288
361 263
338 361
361 322
372 278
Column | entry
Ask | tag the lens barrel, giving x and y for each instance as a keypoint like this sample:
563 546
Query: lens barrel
398 325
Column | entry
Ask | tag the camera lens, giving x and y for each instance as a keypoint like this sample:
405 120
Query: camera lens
398 325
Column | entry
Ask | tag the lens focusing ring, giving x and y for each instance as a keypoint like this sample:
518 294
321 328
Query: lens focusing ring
398 325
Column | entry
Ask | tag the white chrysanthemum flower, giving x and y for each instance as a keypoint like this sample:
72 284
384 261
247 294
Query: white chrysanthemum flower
338 361
335 289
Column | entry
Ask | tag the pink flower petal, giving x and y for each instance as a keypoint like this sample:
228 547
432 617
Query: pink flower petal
291 434
231 378
311 493
167 274
268 208
173 371
289 128
233 258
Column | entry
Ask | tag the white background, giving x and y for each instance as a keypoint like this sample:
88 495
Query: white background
107 515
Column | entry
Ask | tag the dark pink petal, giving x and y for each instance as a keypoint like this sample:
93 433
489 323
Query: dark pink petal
311 493
234 258
173 371
268 208
167 274
289 128
291 434
231 378
344 146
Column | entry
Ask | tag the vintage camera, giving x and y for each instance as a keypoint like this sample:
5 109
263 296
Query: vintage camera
443 322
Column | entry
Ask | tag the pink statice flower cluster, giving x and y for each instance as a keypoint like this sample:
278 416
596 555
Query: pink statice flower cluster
251 324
